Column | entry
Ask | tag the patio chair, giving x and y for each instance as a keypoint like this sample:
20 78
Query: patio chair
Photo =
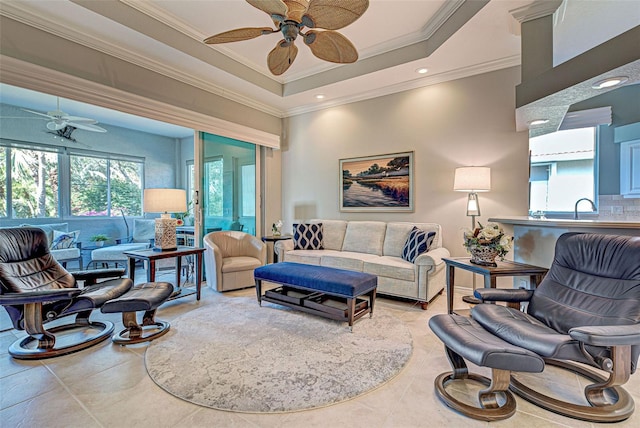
143 235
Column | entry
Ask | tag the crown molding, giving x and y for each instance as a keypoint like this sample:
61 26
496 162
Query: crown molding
460 73
535 10
23 74
21 13
160 15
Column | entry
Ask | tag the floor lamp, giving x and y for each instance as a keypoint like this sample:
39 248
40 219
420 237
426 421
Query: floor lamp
472 179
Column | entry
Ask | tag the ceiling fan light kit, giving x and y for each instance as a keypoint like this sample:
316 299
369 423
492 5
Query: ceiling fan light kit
291 17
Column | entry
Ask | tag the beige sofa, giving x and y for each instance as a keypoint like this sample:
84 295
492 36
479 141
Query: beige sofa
376 247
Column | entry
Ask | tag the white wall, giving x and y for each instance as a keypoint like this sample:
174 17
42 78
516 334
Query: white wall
459 123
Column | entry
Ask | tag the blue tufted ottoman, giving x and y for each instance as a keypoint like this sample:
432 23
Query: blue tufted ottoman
328 292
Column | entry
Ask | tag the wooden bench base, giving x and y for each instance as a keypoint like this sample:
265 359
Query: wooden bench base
354 300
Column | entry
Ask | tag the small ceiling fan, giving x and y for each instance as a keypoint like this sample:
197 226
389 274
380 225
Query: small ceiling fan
61 120
291 16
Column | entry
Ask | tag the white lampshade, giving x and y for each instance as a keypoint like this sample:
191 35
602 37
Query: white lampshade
472 179
165 200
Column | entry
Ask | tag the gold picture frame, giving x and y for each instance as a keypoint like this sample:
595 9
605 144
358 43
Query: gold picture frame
381 183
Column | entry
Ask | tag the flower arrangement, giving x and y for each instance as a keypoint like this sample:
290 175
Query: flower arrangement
487 237
275 228
181 217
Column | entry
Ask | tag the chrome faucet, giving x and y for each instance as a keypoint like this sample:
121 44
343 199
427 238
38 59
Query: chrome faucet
575 209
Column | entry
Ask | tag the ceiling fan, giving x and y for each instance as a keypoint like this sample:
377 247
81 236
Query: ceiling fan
291 17
61 120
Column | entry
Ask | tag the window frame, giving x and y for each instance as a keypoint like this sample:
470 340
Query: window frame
596 180
64 176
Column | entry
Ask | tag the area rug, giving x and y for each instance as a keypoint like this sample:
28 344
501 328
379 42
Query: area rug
235 355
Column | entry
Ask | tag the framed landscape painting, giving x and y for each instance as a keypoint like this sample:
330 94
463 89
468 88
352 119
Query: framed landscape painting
382 183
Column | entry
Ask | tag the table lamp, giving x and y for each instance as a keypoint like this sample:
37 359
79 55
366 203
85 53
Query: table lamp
472 179
165 201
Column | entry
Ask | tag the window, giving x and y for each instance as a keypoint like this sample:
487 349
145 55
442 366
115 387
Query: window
563 170
248 187
3 182
191 174
34 178
30 182
213 179
105 187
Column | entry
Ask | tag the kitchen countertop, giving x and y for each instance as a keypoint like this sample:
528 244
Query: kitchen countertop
566 222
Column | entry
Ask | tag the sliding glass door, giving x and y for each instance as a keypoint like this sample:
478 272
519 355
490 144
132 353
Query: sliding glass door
228 185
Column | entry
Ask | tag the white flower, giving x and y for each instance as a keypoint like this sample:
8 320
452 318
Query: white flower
467 233
489 233
505 242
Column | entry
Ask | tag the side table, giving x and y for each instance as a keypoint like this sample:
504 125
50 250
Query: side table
151 256
490 274
274 239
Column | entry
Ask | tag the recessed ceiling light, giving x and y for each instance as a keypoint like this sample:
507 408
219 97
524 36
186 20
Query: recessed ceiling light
422 70
320 96
609 82
538 122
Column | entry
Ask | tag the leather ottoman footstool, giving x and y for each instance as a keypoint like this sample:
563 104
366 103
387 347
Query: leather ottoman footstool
142 297
465 339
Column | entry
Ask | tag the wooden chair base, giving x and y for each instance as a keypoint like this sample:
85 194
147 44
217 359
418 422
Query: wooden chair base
136 333
614 411
24 349
488 410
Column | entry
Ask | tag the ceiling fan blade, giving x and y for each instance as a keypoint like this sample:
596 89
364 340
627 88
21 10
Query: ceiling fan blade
331 46
238 35
333 14
281 57
296 9
38 113
86 126
272 7
79 119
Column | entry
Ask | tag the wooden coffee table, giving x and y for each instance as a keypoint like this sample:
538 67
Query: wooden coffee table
151 256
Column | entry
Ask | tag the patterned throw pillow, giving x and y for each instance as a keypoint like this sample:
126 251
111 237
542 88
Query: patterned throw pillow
62 240
417 243
307 236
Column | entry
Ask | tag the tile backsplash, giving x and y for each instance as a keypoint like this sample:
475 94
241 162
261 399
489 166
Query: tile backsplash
617 208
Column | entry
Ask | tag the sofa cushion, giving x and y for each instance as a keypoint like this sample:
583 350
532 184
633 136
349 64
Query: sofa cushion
332 233
346 260
66 254
241 263
49 228
391 267
307 236
62 240
310 257
417 243
364 237
398 232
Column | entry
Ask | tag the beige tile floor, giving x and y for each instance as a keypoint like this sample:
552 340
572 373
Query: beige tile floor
107 386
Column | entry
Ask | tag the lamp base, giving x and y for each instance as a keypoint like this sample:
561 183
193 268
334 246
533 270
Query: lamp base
165 239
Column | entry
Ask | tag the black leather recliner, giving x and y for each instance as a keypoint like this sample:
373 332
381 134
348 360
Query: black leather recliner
36 289
586 310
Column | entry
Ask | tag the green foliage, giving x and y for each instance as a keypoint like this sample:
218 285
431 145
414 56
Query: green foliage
34 183
99 237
